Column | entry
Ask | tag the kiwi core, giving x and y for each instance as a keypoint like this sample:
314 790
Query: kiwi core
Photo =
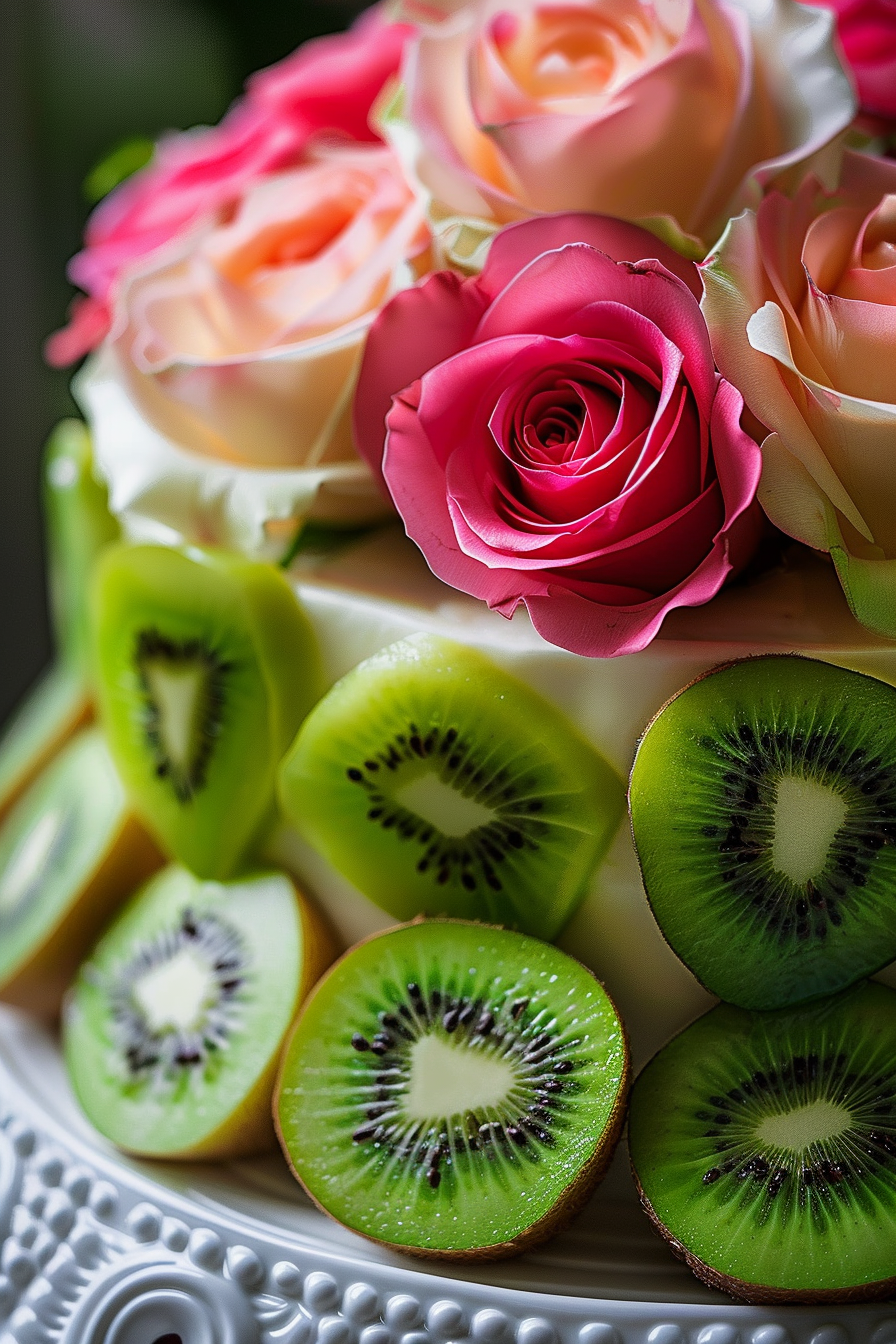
179 692
176 994
807 817
806 1125
31 858
443 806
443 1073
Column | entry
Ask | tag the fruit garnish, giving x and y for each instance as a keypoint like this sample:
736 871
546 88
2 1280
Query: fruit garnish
207 667
440 784
71 852
174 1026
764 1147
453 1090
763 803
79 526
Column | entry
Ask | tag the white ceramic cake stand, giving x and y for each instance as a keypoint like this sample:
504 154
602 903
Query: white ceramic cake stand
97 1249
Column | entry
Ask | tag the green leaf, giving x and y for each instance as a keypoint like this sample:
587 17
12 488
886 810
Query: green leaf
117 166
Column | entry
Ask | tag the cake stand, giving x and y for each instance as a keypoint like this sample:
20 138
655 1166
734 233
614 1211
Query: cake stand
100 1249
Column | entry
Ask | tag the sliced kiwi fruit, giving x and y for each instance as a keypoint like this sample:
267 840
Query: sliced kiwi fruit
79 528
764 1148
50 715
173 1029
439 784
453 1090
71 851
207 667
763 804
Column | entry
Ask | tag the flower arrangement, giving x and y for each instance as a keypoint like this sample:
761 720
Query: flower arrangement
579 290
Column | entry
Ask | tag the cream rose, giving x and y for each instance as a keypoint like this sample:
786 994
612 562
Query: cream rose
672 113
220 404
801 306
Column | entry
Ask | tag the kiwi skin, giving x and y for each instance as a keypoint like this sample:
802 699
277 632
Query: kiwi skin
574 1197
759 1293
249 1131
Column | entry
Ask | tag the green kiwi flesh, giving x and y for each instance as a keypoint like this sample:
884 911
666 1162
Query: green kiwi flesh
173 1028
441 785
70 854
453 1090
49 716
207 667
764 1148
79 527
763 805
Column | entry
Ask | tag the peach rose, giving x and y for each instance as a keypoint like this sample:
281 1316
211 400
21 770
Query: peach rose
220 405
328 85
671 113
801 305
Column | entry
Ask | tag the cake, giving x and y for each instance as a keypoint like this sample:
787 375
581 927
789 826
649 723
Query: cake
416 337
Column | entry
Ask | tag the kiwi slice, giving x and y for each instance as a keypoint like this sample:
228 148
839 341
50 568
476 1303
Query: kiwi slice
173 1029
440 784
763 804
79 527
764 1148
70 852
207 667
453 1090
50 715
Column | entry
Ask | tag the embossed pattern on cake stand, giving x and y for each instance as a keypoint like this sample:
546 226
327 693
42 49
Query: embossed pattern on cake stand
98 1249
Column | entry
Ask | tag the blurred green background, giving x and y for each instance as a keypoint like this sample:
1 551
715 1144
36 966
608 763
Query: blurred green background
76 78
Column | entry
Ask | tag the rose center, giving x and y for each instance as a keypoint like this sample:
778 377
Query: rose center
572 52
553 423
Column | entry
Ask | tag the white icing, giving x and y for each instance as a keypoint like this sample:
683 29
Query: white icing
379 590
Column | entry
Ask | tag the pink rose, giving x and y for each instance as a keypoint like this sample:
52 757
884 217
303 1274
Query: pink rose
225 387
867 31
559 436
328 84
673 112
801 305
